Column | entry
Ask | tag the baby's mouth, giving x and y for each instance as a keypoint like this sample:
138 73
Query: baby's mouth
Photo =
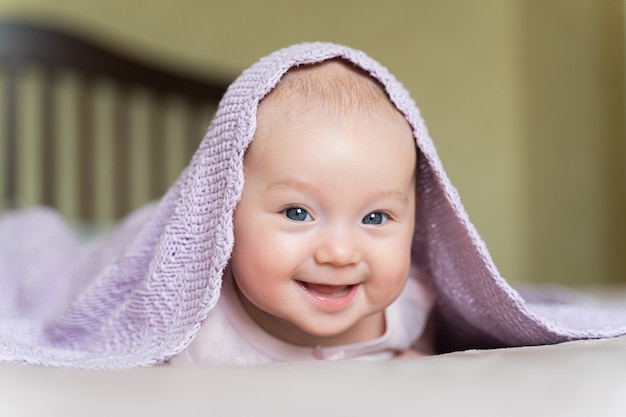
326 291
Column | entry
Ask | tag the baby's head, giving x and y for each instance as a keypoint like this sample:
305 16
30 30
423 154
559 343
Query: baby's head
324 227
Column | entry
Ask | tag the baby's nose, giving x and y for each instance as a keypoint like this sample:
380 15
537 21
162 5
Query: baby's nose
338 248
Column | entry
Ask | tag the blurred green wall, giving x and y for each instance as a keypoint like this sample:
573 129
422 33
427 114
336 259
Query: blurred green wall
524 99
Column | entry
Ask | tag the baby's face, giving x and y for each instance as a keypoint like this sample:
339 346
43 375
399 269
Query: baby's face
324 228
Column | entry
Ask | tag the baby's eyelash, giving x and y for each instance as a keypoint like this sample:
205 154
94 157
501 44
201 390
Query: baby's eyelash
297 214
376 218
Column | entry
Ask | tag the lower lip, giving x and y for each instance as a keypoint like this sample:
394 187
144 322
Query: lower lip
337 301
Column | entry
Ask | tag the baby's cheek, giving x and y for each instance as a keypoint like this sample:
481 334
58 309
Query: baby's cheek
270 257
392 271
276 249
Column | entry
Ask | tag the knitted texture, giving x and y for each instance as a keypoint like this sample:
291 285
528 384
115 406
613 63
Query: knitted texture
137 296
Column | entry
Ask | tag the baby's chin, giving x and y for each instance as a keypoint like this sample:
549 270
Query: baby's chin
332 332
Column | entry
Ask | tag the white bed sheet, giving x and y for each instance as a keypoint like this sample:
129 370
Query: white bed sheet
585 378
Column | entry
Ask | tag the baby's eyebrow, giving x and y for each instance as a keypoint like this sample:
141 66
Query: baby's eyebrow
289 183
393 195
398 196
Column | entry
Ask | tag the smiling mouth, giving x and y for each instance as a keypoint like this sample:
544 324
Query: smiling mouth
330 295
327 290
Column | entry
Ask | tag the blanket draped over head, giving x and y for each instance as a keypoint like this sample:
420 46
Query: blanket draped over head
138 295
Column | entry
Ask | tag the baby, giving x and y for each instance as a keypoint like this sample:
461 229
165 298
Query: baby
299 231
323 230
310 224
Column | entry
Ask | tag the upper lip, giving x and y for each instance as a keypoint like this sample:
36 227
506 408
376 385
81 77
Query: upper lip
329 283
335 277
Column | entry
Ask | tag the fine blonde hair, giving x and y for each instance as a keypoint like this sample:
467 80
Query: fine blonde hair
335 86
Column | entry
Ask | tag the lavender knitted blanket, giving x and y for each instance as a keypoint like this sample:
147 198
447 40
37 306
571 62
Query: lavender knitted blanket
137 296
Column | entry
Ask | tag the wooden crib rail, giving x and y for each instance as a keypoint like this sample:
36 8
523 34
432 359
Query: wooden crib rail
24 46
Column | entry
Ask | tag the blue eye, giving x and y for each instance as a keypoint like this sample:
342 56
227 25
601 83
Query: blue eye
375 218
297 214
